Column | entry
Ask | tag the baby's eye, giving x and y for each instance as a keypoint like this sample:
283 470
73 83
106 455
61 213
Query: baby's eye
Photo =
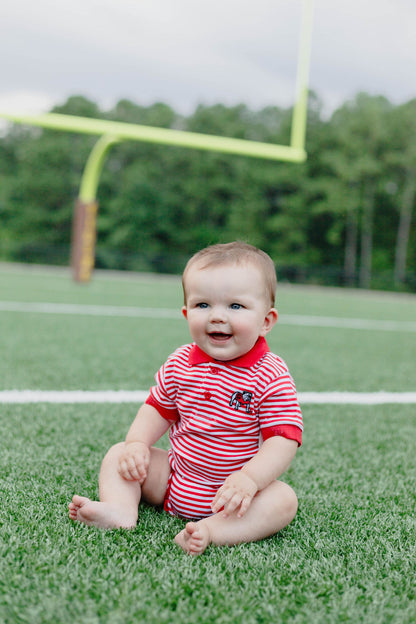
236 306
202 305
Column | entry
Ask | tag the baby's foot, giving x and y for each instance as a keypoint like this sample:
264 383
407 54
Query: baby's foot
103 515
194 538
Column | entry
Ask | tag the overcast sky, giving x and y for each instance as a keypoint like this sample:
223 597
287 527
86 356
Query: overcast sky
185 52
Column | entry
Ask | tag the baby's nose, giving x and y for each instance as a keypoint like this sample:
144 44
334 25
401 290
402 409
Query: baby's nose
217 314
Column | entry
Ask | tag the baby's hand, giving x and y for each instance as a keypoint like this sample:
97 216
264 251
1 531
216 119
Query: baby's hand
236 493
134 461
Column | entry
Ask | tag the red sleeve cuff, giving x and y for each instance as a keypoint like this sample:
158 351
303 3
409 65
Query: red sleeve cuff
291 432
168 414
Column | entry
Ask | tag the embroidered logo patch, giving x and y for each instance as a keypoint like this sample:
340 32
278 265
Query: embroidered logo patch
241 399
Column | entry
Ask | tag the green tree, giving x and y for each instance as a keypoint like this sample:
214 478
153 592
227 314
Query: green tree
8 168
42 192
402 160
361 133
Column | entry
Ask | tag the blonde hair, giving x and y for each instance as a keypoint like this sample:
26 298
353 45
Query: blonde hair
237 253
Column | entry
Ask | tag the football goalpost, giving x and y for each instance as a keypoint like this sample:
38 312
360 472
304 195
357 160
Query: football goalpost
111 132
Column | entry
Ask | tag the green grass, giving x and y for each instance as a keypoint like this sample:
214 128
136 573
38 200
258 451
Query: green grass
349 555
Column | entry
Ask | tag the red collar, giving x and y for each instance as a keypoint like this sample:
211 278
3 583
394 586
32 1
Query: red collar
197 356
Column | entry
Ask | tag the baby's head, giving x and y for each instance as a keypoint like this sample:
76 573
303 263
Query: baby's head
229 294
236 254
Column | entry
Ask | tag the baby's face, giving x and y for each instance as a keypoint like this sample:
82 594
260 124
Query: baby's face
227 309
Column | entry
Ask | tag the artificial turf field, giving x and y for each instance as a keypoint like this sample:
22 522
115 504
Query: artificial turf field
350 553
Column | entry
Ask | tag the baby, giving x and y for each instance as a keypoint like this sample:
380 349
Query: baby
231 410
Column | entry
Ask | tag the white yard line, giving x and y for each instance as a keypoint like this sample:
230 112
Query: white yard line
347 323
139 396
138 312
356 398
73 396
87 310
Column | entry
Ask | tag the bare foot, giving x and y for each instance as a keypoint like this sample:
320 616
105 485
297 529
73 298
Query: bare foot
95 513
194 538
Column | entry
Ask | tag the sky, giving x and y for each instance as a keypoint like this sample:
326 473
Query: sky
190 52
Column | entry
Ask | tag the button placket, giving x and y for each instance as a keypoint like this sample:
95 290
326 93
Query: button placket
212 370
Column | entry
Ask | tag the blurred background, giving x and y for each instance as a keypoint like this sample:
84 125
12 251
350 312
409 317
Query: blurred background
345 217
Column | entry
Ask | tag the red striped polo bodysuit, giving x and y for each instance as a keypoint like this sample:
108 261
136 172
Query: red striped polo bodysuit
219 409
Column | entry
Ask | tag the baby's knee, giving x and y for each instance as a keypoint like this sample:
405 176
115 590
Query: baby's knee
291 503
286 500
115 451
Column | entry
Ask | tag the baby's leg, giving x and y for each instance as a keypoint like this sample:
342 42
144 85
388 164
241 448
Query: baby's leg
119 498
270 511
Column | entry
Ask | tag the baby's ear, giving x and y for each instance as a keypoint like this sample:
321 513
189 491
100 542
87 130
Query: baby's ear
269 321
185 311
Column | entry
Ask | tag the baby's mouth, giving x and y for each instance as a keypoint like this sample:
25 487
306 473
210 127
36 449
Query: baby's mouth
219 336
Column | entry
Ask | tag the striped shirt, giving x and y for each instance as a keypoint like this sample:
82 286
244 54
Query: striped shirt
219 409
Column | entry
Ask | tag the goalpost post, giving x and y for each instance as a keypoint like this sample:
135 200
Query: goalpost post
111 132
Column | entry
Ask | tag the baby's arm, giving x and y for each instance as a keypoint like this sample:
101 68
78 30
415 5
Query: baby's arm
272 459
146 429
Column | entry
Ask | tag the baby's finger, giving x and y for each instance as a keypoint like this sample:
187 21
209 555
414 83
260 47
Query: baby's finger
128 470
123 469
140 473
232 504
245 504
131 469
220 499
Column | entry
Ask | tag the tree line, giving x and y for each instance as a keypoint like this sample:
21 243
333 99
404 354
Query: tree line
343 217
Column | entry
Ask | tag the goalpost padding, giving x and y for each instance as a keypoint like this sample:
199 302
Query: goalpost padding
83 240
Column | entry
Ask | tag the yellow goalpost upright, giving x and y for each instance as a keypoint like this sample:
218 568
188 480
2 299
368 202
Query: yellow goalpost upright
111 132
